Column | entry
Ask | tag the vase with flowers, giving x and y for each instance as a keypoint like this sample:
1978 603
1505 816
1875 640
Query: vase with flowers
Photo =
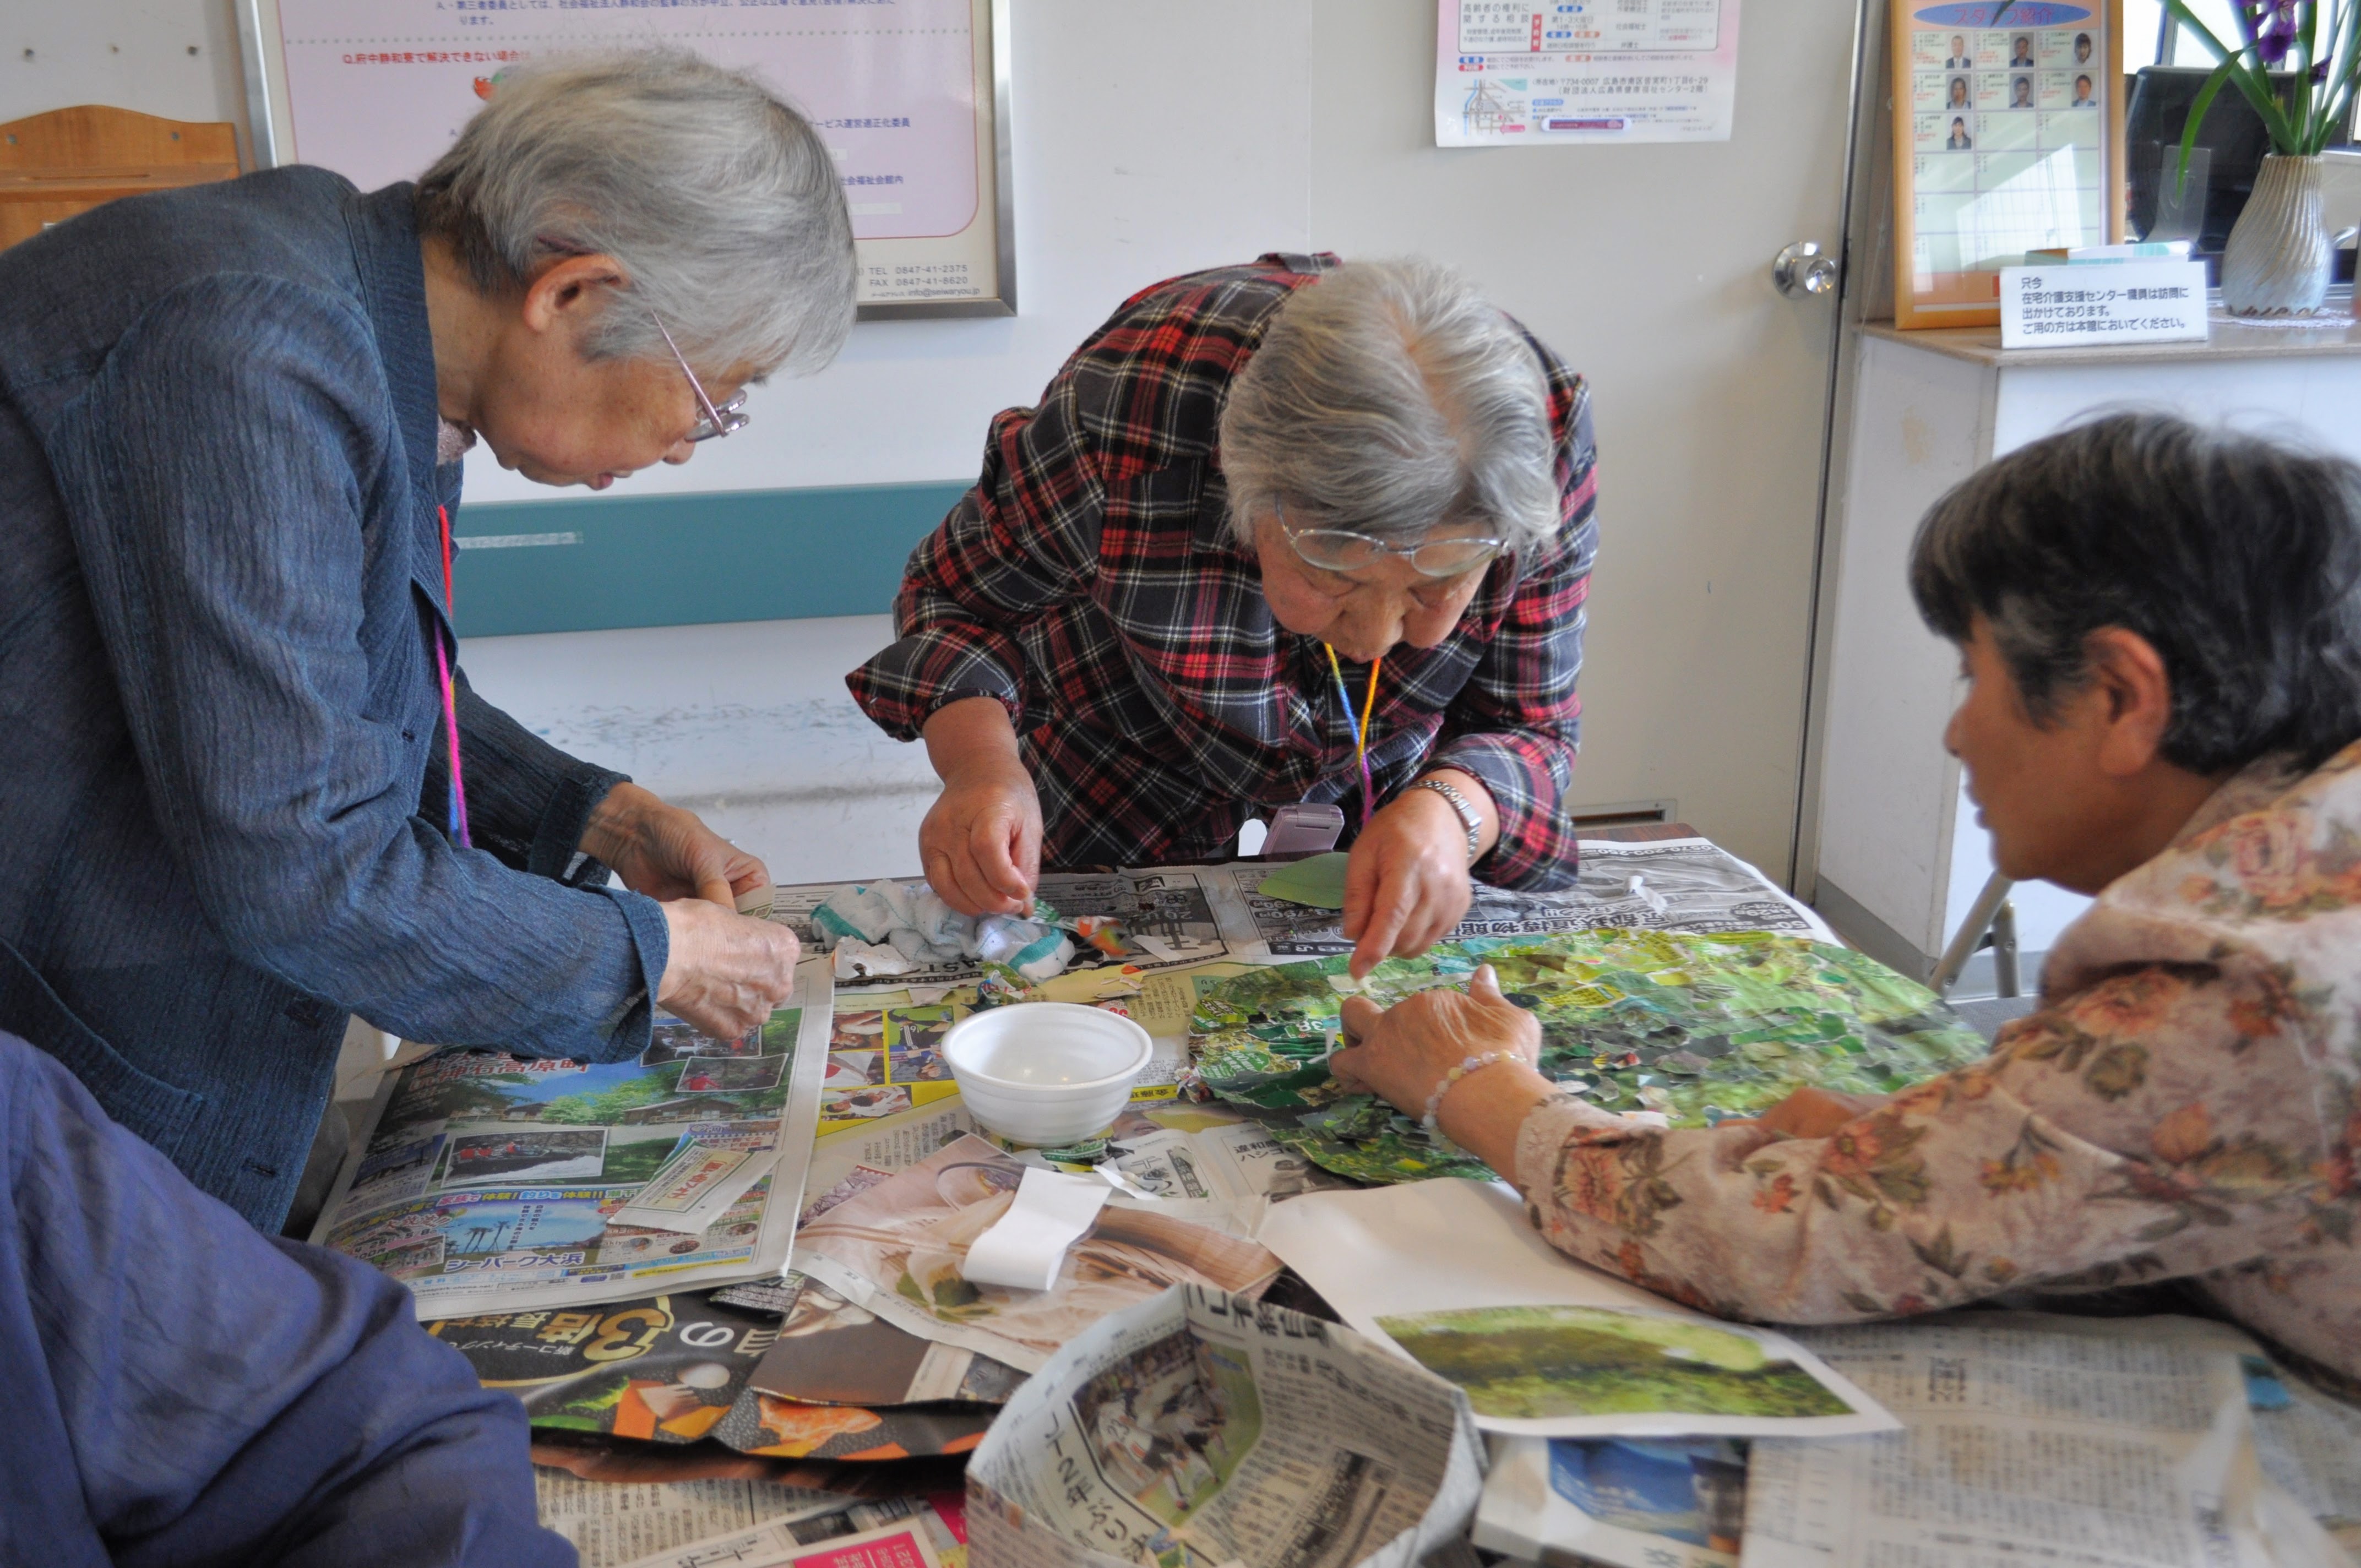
2278 259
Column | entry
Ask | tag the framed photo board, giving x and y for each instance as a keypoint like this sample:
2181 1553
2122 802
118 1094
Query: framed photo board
913 100
2008 136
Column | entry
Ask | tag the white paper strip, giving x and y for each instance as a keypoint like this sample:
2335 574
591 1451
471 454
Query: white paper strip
1025 1247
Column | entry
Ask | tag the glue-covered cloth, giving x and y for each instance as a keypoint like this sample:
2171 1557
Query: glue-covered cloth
1088 583
184 1390
2184 1105
222 772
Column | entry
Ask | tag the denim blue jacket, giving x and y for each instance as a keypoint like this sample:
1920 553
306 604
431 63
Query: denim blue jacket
220 781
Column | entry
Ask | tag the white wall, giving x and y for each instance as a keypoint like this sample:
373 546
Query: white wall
1153 138
174 58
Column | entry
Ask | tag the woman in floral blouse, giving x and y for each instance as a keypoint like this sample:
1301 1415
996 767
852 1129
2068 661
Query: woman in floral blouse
2162 632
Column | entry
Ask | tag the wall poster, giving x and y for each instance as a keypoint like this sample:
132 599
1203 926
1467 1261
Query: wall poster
2008 138
1542 72
911 97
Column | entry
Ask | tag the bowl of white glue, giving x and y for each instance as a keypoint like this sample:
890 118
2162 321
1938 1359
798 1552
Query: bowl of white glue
1046 1072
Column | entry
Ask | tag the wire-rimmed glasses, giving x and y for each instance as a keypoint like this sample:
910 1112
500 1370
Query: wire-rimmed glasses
725 418
1347 550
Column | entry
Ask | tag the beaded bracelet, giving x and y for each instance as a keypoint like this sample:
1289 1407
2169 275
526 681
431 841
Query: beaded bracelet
1473 1064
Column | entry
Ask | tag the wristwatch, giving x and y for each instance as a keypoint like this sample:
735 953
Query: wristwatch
1469 817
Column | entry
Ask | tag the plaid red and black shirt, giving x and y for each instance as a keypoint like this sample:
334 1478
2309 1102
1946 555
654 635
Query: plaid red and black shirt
1089 583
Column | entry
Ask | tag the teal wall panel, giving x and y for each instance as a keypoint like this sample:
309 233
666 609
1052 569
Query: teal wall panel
592 564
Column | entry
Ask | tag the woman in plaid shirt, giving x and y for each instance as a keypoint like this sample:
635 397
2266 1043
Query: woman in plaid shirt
1117 647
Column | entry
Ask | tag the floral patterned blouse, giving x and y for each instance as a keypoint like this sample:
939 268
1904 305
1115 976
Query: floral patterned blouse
2184 1105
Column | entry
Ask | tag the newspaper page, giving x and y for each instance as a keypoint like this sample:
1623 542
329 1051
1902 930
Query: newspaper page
1627 1502
1450 1274
489 1183
2310 1445
890 1533
1167 914
2098 1443
897 1248
611 1523
1672 885
1198 1428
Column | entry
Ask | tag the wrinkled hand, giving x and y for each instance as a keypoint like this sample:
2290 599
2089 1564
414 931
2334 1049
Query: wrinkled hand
1406 882
1402 1052
980 843
724 972
666 852
1809 1113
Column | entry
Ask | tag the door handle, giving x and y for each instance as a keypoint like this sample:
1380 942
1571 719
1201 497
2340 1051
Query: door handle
1801 269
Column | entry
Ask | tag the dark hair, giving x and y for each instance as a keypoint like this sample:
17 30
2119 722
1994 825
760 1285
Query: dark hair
2238 559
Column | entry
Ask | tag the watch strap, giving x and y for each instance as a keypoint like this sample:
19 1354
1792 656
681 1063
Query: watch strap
1461 806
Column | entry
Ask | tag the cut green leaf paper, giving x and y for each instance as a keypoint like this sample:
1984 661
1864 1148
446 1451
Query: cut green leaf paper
1317 880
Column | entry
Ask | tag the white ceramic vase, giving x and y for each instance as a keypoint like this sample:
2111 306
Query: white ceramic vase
2276 261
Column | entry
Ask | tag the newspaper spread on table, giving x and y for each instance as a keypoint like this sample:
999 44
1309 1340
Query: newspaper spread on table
2102 1443
1175 916
890 1533
1198 1429
611 1523
490 1183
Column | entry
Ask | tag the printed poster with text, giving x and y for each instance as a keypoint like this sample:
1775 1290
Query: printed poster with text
1537 72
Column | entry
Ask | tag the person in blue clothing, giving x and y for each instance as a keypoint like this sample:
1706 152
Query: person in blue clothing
184 1390
231 420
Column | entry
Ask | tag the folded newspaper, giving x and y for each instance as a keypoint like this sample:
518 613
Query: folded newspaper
1170 917
489 1183
1199 1428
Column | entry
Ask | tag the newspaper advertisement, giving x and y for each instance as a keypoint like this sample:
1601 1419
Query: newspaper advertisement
1199 1428
930 1532
489 1183
1449 1274
2106 1444
897 1248
1546 72
611 1523
1627 1502
1671 884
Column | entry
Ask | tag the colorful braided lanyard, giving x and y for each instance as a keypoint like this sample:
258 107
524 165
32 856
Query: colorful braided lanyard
443 659
1361 725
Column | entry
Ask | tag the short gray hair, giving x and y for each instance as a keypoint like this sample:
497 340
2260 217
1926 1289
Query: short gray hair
720 201
1389 398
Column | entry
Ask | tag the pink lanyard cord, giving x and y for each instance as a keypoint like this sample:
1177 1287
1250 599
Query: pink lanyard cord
458 815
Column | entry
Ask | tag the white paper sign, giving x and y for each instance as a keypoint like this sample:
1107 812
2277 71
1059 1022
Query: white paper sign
1538 72
2102 303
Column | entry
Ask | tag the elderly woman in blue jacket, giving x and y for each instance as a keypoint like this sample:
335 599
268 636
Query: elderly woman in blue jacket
243 787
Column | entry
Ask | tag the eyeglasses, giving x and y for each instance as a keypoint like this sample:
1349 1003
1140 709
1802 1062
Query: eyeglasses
723 420
1344 549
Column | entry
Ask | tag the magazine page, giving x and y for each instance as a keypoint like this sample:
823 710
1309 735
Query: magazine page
1451 1274
1201 1429
1672 885
489 1183
1628 1502
611 1523
2109 1443
896 1248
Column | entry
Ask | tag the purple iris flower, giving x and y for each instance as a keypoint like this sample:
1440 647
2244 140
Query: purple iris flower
2275 35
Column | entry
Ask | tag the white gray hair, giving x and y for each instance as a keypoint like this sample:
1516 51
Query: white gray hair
720 201
1390 399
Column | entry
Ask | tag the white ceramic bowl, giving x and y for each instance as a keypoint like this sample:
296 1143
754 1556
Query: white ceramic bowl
1046 1072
